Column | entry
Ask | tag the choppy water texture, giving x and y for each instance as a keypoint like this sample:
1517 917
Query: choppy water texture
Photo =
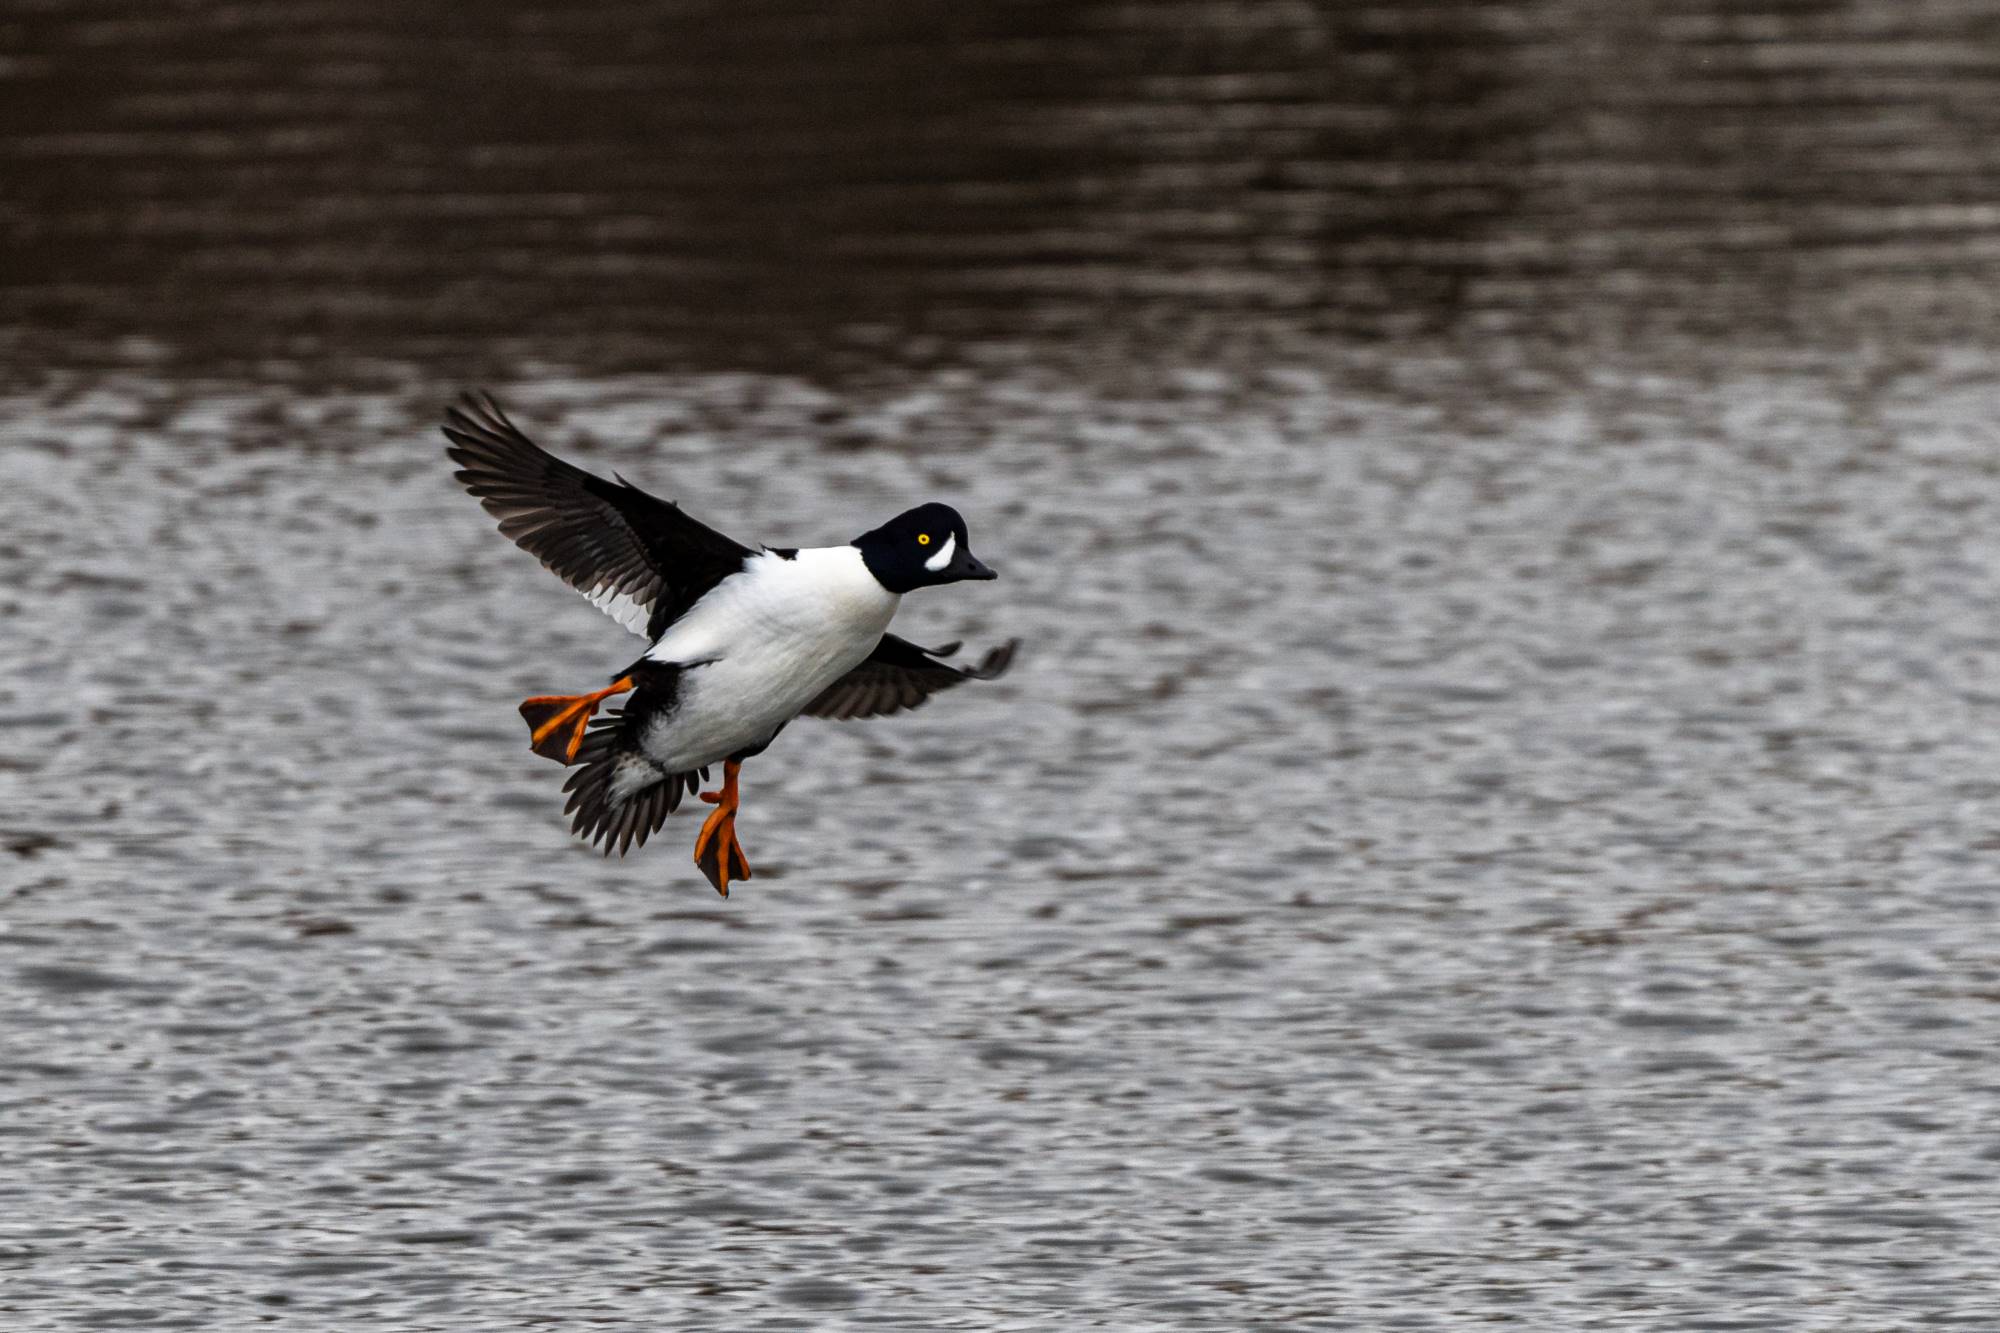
1491 824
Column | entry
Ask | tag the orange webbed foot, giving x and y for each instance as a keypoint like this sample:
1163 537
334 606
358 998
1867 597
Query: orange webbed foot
716 850
556 722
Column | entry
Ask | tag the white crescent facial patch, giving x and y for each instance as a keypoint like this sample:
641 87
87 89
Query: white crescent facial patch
943 557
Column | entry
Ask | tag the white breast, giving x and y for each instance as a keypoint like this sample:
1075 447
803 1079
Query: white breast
762 645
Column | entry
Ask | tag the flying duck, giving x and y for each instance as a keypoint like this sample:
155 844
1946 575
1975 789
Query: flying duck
742 640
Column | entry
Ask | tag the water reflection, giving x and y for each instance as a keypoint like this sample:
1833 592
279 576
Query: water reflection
712 183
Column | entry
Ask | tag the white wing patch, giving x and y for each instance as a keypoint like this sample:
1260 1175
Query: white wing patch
943 557
623 608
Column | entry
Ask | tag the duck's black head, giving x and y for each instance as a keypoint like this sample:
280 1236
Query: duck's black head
919 548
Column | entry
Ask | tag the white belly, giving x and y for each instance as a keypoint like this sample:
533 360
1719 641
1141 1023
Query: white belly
762 646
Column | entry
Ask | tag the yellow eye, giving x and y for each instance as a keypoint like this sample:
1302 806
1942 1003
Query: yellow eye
923 539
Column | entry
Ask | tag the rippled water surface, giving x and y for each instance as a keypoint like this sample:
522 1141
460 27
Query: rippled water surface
1493 822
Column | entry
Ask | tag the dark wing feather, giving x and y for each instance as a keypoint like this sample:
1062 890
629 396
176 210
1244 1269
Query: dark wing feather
900 675
638 557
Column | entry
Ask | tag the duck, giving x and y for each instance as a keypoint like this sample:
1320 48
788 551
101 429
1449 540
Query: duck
743 639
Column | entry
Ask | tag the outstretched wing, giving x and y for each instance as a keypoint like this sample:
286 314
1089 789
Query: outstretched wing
637 557
900 675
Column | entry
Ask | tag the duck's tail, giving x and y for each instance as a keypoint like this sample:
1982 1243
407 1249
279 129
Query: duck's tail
617 796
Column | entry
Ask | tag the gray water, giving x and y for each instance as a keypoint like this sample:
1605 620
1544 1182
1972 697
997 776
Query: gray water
1493 821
